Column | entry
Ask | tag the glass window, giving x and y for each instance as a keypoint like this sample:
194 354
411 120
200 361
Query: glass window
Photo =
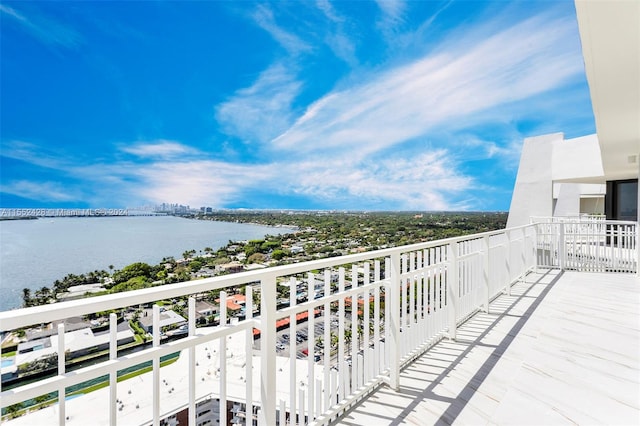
626 200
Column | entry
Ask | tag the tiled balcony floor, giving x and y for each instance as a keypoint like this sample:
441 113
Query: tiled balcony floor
562 349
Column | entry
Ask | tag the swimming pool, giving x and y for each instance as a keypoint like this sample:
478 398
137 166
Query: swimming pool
6 363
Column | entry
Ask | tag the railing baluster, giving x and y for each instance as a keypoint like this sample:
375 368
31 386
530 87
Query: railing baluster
334 397
61 371
301 420
342 364
393 320
192 361
452 288
411 340
283 413
113 377
327 337
367 320
293 349
223 360
403 306
387 312
268 296
311 337
318 384
248 356
156 365
376 318
355 302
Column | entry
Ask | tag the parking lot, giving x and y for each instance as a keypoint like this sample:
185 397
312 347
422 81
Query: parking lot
304 341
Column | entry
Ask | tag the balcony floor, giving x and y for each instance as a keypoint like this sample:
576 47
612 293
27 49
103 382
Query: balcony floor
562 349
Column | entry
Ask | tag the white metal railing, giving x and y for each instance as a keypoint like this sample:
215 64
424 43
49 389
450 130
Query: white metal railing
374 313
589 218
595 246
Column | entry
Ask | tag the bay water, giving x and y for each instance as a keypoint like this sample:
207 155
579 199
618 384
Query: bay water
35 253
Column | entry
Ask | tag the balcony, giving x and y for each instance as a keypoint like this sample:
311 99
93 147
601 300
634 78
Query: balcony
522 325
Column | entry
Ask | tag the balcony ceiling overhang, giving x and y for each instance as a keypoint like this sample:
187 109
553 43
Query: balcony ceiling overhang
610 35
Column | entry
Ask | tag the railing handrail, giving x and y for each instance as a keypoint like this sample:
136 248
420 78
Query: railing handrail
18 318
579 219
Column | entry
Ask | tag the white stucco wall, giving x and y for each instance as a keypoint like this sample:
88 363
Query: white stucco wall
533 191
568 200
577 159
555 176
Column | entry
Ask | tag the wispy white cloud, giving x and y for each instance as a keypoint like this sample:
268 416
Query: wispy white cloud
159 149
392 15
31 153
45 29
44 192
265 19
337 37
195 182
425 181
172 173
260 112
406 102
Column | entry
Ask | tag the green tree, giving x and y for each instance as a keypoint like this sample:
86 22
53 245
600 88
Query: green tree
138 269
279 254
26 298
256 258
250 250
135 283
269 245
195 265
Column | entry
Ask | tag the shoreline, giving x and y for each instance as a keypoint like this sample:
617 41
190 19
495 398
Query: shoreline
17 292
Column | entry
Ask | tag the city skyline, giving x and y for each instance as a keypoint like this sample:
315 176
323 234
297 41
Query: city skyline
282 105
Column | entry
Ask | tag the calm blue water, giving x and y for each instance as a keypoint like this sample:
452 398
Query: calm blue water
34 253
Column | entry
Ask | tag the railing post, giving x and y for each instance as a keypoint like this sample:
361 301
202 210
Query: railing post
508 263
394 322
61 371
485 272
535 250
561 247
192 361
452 288
156 365
113 377
267 350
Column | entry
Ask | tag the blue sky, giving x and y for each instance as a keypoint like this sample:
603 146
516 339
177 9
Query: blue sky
419 105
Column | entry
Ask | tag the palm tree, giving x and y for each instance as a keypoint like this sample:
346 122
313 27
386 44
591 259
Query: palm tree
26 297
43 295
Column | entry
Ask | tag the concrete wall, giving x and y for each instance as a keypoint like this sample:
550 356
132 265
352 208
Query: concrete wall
533 191
568 200
555 176
577 160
